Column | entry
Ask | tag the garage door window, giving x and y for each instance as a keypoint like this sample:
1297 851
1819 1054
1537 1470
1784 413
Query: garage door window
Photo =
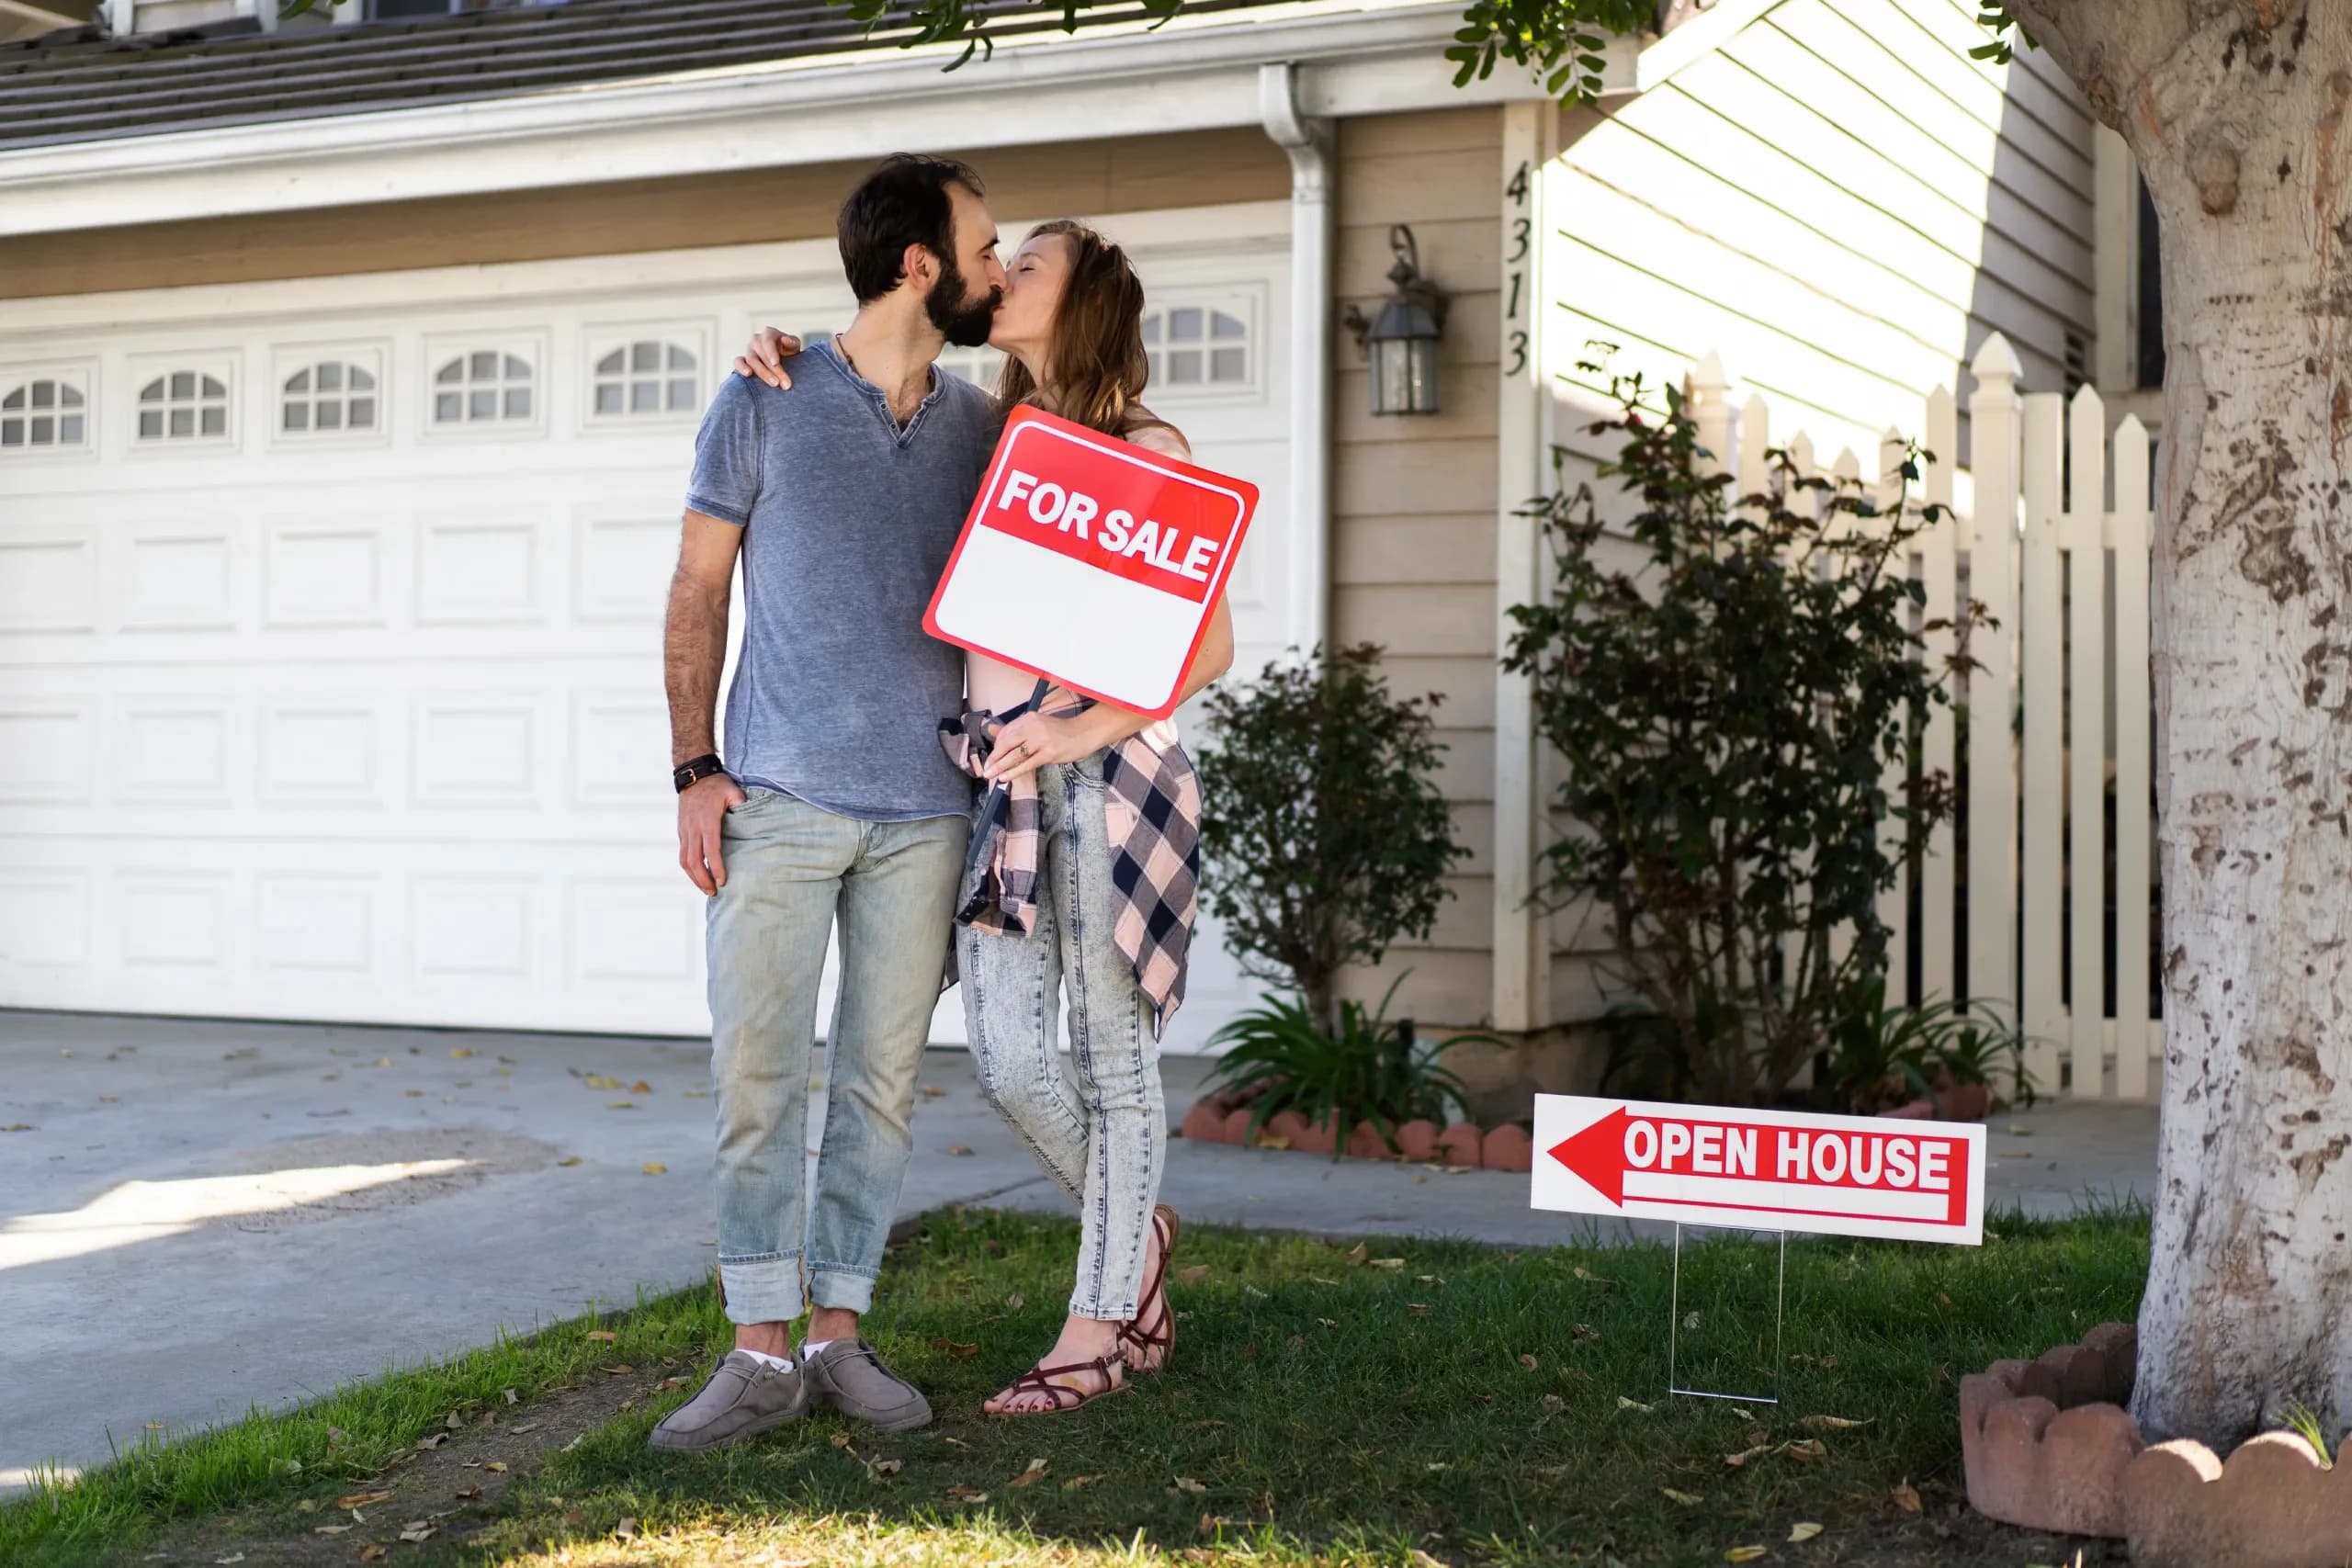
49 412
645 379
328 398
484 387
1197 345
184 405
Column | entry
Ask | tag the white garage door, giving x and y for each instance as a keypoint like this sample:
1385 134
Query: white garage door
330 618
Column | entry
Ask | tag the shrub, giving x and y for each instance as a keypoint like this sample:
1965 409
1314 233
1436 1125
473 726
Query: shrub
1727 713
1367 1069
1324 838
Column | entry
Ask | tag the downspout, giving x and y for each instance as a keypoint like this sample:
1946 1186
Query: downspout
1309 142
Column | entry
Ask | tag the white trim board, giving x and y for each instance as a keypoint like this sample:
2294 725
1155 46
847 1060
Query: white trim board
1233 228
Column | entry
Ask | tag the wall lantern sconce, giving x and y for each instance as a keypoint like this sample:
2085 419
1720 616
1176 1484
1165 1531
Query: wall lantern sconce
1402 340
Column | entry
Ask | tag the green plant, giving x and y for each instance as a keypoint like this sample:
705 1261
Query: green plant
1324 833
1881 1054
2304 1422
1368 1070
1729 714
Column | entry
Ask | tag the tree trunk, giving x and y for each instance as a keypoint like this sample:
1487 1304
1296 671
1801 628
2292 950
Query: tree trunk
2238 113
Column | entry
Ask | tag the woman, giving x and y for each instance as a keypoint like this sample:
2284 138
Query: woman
1057 897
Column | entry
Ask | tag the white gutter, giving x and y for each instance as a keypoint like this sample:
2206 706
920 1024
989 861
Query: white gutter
1352 57
1309 142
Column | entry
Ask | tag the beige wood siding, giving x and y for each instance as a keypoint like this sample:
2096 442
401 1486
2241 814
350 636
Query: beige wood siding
1413 505
1090 178
1844 205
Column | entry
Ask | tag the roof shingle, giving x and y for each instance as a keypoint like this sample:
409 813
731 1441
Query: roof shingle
81 85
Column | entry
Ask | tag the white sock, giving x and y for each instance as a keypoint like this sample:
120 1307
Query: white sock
779 1363
811 1347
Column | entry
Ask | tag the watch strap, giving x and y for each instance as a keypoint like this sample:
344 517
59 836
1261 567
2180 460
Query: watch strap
693 770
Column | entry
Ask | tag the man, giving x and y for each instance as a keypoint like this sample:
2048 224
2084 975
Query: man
835 801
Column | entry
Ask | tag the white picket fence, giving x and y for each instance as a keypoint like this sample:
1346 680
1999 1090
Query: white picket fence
2063 570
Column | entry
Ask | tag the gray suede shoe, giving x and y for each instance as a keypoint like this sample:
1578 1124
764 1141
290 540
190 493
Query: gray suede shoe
743 1398
848 1375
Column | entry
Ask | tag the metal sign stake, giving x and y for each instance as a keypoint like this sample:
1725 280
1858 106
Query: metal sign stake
1674 1331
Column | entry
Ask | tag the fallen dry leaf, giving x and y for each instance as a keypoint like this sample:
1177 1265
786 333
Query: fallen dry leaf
1583 1332
1807 1448
626 1530
1315 1278
522 1427
1833 1423
1530 1362
496 1465
1035 1472
605 1335
1194 1275
514 1397
961 1351
1359 1254
1076 1482
1685 1498
434 1441
1743 1555
330 1529
1741 1458
958 1150
1014 1302
655 1168
966 1494
883 1469
1419 1309
363 1499
1187 1483
1589 1278
419 1531
468 1494
641 1087
568 1159
616 1369
933 1091
1387 1262
1553 1404
1906 1498
1801 1533
1633 1404
371 1552
598 1080
454 1421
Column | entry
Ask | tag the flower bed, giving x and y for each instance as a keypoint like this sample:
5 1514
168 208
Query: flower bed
1224 1119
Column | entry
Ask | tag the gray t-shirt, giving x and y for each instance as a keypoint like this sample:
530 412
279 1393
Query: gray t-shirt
849 520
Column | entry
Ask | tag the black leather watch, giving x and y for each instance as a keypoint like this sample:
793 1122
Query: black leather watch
686 775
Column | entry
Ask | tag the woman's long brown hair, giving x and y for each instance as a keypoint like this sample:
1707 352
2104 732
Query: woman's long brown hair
1098 366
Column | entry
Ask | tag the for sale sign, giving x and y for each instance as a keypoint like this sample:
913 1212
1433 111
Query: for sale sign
1761 1169
1091 561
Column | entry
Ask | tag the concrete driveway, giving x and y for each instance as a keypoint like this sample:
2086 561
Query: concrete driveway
196 1217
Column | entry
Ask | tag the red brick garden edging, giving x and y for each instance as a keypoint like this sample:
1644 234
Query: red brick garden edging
1224 1119
2049 1445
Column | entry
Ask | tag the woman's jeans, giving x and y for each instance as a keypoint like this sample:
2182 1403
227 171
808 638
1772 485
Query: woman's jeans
1104 1138
793 870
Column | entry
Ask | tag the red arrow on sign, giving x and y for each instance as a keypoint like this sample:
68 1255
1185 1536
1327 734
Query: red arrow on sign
1596 1154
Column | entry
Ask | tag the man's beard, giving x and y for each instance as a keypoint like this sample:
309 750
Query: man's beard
965 322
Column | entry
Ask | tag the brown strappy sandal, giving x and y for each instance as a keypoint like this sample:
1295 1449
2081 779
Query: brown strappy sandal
1038 1379
1161 1334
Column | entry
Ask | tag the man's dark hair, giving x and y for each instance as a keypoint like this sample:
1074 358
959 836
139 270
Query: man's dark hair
903 202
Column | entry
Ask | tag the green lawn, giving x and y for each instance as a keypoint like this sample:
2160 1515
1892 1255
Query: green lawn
1465 1405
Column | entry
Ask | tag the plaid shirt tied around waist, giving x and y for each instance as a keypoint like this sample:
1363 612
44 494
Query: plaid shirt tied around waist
1152 803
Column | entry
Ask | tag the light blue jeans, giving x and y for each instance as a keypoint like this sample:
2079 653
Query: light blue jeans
793 869
1104 1139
